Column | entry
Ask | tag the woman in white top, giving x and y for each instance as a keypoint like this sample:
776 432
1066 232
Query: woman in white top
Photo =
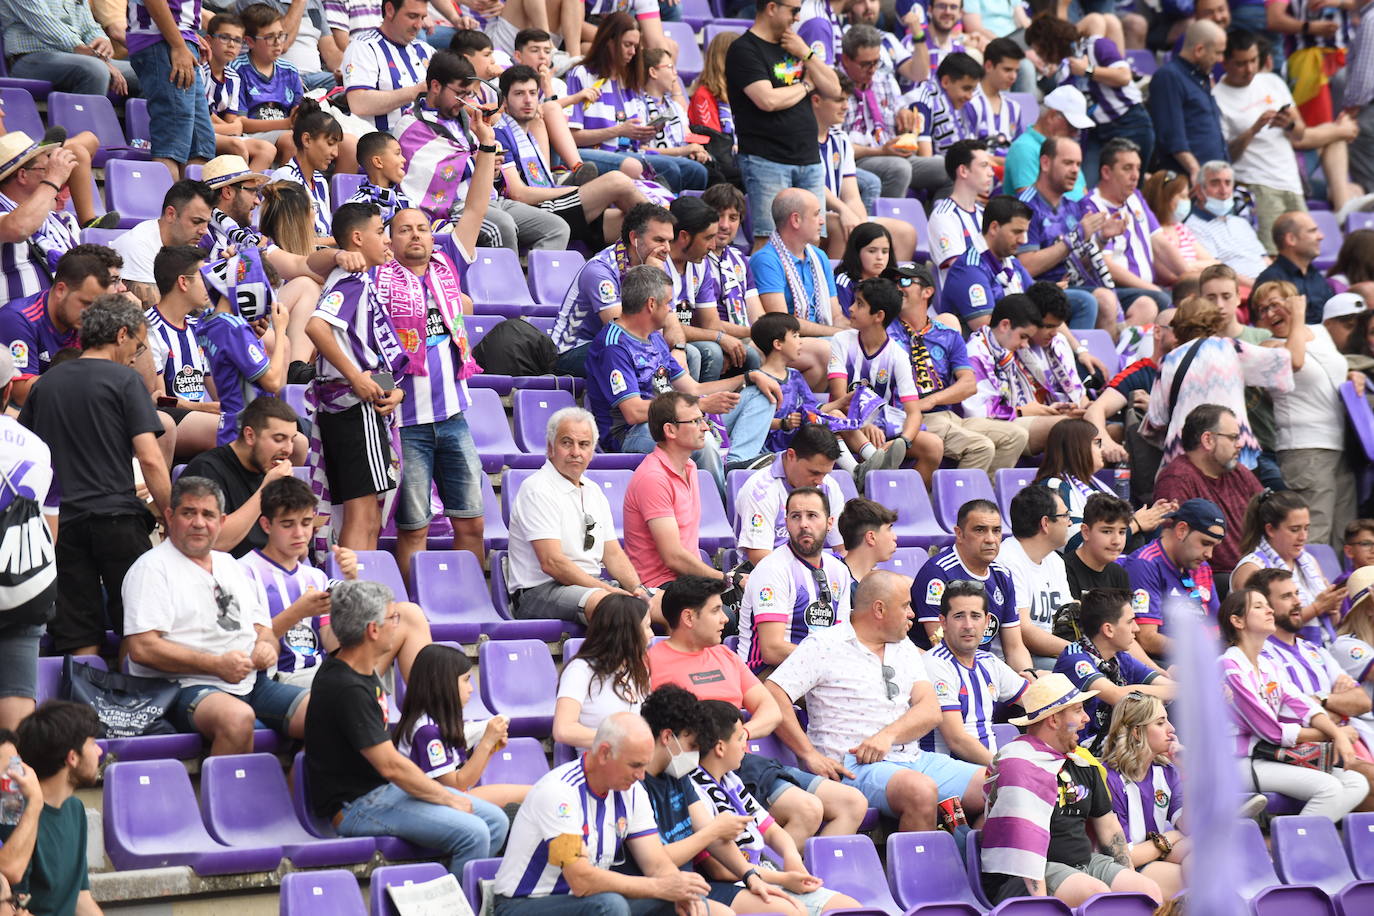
610 673
1310 419
1275 537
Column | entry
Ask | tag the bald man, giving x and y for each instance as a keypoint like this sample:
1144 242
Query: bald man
799 219
870 702
579 820
1187 120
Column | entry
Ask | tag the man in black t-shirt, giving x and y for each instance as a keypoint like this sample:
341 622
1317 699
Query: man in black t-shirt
770 73
356 777
1106 527
260 455
96 416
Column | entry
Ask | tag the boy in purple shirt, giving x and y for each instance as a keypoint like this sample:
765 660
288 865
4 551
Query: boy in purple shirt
270 88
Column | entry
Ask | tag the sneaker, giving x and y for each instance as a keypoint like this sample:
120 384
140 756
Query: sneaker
110 220
1253 807
888 459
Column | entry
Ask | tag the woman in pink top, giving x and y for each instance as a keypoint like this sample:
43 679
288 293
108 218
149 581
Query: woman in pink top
1267 709
1169 196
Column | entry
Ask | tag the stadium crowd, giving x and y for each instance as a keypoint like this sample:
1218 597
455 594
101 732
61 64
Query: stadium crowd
1010 338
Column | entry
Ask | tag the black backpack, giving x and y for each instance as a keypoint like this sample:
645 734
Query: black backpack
516 347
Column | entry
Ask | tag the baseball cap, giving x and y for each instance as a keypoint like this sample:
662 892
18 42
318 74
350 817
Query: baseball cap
918 272
1342 305
1069 102
1201 515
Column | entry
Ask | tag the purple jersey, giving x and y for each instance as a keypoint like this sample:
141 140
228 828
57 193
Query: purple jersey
735 285
301 646
937 353
609 110
236 361
1048 224
33 340
427 750
620 366
1148 806
978 281
972 691
1083 666
178 356
373 61
1159 588
797 397
597 287
946 566
144 33
268 98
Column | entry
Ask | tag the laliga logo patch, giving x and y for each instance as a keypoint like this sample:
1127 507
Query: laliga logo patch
618 385
332 302
1140 601
1083 668
766 595
254 353
435 752
934 591
606 291
756 520
19 350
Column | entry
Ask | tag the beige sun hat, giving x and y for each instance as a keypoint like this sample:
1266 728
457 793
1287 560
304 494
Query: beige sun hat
1047 696
17 148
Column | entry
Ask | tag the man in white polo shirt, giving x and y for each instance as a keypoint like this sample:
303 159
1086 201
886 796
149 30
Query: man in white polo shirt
759 508
562 532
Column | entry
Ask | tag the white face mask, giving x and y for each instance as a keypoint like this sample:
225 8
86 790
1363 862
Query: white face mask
1218 207
682 762
1182 209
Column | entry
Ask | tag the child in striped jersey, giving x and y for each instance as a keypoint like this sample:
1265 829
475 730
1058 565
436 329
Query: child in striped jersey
317 137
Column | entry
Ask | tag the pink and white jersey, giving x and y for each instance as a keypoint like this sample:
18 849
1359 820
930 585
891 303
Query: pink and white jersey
1265 705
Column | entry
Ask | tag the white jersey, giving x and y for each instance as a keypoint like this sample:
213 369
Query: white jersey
373 61
805 598
953 230
887 372
761 509
178 357
562 804
972 692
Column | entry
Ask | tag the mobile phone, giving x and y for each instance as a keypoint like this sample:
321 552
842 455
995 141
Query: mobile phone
1285 106
658 121
164 400
385 380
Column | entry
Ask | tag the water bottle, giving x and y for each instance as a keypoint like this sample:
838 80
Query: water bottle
11 797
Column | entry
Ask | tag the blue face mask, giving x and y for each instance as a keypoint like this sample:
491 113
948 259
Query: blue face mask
1182 209
1218 207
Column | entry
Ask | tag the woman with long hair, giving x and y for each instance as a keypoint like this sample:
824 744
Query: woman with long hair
610 673
1269 713
709 104
1169 195
1210 368
288 217
1275 537
1147 790
867 253
432 733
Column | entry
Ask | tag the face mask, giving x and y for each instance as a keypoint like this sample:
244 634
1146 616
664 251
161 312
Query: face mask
1217 207
1182 209
682 762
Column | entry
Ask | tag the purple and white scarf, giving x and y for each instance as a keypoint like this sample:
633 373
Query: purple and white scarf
817 309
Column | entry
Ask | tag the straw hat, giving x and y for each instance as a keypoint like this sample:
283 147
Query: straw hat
1359 586
1047 696
17 148
226 170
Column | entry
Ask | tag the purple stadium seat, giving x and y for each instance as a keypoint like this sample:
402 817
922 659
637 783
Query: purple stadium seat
1007 482
908 210
973 866
135 189
474 873
94 113
530 412
392 848
334 891
294 395
20 112
342 186
906 560
495 278
849 864
400 876
1033 906
697 12
1030 109
1259 885
1142 61
1307 850
551 273
374 566
1361 416
137 122
715 531
1359 221
953 487
689 60
712 29
771 746
500 594
925 868
49 683
1331 238
905 492
612 481
520 763
1100 345
494 534
1327 559
245 802
519 681
1358 834
1117 904
478 325
151 821
491 433
450 586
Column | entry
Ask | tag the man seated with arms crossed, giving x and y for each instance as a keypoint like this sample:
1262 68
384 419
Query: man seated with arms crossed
582 819
692 657
968 681
869 702
562 532
192 613
759 506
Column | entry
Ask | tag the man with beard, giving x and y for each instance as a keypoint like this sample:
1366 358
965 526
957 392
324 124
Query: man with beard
797 591
1048 803
1172 574
260 454
1209 468
57 741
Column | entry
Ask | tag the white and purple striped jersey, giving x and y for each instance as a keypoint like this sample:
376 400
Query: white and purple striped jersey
695 287
887 372
225 96
1133 245
837 160
301 646
784 589
562 804
426 748
144 33
1148 806
178 356
973 692
735 285
1313 11
937 53
953 230
347 305
225 232
1105 103
27 462
353 16
373 61
1310 666
614 105
989 122
761 508
318 189
23 275
941 122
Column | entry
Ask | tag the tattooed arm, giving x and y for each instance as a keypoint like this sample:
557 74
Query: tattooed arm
1111 840
1036 887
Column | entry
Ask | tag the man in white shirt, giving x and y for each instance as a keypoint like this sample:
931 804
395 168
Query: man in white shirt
185 220
562 532
956 221
759 506
1040 529
384 70
1214 220
869 701
581 819
193 614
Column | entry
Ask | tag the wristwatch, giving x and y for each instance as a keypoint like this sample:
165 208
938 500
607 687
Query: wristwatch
1161 843
486 147
678 346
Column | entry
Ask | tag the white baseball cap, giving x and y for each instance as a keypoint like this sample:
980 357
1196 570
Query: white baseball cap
1069 102
1342 305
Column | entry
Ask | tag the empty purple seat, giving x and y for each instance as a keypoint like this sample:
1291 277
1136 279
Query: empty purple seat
494 533
712 29
399 876
1307 850
136 190
137 122
953 487
849 864
1331 238
689 61
613 483
1359 221
1142 61
495 278
771 746
474 873
1259 885
905 492
908 210
450 587
530 412
477 326
1327 559
21 114
714 531
373 566
1100 345
519 681
95 113
906 560
925 868
245 802
1007 482
1117 904
1358 834
551 273
520 763
151 820
342 186
1030 110
308 893
49 683
491 433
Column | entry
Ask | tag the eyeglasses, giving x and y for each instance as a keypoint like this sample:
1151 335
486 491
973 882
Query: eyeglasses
1365 545
588 539
966 583
889 673
694 421
232 41
1056 516
274 39
1234 437
867 64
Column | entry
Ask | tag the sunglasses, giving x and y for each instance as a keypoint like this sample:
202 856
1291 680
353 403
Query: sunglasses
588 538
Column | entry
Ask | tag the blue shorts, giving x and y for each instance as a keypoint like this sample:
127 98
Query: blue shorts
178 119
441 453
764 178
19 660
951 777
273 703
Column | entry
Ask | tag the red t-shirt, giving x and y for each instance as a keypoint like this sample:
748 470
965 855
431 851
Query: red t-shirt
1180 479
658 491
711 674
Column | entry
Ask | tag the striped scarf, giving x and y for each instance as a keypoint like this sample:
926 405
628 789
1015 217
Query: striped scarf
1012 383
816 308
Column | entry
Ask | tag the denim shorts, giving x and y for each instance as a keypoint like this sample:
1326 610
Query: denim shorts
19 660
178 119
764 178
951 777
273 703
438 453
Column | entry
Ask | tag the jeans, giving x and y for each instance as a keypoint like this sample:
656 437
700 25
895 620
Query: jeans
1126 295
391 811
179 119
572 362
1082 308
706 360
870 189
747 425
321 79
1135 125
603 904
670 12
678 172
442 452
764 178
66 71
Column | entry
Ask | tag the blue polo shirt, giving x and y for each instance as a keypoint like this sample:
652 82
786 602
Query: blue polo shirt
977 282
1185 115
621 366
1159 588
1310 284
768 275
947 352
1048 225
1023 166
